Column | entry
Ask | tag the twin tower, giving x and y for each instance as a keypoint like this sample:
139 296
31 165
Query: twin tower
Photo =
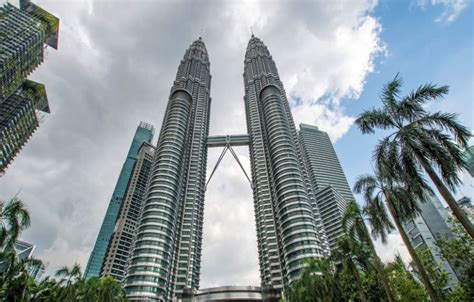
166 257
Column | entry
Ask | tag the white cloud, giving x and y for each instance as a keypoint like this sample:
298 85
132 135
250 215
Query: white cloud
451 8
393 247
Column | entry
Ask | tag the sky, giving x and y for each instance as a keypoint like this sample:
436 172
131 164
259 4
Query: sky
115 66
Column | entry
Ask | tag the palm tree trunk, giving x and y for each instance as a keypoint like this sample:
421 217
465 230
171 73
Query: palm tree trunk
448 197
355 273
411 250
380 269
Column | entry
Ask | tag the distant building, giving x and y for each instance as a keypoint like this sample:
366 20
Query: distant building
121 244
23 33
466 204
24 250
469 159
431 225
144 134
330 184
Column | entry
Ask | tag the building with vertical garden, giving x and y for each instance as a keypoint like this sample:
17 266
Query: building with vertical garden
24 34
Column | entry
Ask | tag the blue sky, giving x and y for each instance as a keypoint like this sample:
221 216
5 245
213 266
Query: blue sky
422 50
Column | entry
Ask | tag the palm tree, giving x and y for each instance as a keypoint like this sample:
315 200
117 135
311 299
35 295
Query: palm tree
16 280
318 282
14 218
45 290
354 226
69 278
401 203
420 139
347 253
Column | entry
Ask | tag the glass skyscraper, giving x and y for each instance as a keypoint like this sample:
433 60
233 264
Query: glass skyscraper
121 243
143 134
432 224
166 259
332 189
289 229
23 33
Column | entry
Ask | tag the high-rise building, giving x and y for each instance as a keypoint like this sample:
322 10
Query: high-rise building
121 244
332 190
431 225
18 119
24 250
165 261
24 32
166 258
468 155
289 230
467 206
143 134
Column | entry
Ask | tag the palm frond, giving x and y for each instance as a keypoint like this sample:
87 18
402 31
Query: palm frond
447 122
378 219
390 93
369 120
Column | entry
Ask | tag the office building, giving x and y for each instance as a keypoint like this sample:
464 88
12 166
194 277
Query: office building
468 155
24 250
166 259
143 134
19 119
24 32
289 229
431 225
466 205
121 244
330 184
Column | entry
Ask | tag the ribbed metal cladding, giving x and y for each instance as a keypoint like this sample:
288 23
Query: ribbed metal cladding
289 230
167 252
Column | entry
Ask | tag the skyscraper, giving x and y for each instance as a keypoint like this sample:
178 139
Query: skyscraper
143 134
121 243
24 32
289 229
429 226
332 190
167 255
468 155
166 258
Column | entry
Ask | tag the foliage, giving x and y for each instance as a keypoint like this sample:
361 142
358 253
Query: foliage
405 287
458 250
16 283
419 140
318 282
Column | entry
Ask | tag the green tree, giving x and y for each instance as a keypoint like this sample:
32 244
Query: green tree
14 218
105 289
354 225
458 250
16 283
401 203
419 139
69 282
317 283
439 277
405 286
45 290
348 254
